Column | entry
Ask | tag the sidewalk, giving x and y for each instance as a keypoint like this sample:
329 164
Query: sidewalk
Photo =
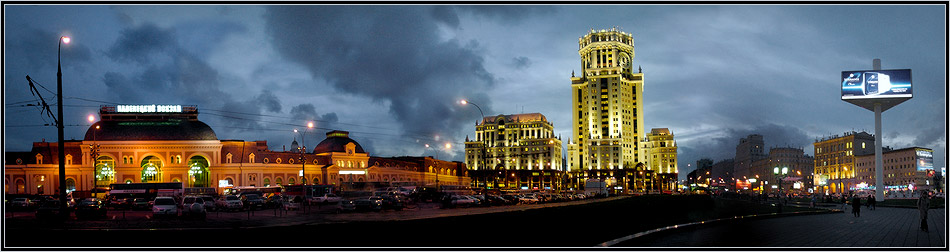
883 227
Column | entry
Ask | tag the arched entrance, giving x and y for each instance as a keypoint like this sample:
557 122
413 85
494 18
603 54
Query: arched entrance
198 173
151 169
70 185
105 173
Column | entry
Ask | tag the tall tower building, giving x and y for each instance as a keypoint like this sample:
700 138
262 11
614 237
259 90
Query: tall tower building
607 117
748 150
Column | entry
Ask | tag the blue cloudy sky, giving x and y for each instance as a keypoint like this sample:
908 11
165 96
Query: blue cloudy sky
392 75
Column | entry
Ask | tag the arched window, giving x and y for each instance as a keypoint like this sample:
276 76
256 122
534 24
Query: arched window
151 169
278 181
70 185
39 158
291 181
250 158
266 182
303 181
20 186
69 159
128 181
316 181
229 157
198 174
105 171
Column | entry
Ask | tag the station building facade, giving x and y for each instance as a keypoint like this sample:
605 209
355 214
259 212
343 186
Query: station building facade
144 146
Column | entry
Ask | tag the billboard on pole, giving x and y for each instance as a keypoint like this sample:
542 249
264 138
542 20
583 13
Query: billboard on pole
873 84
925 159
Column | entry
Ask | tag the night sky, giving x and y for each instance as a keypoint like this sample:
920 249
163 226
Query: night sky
393 75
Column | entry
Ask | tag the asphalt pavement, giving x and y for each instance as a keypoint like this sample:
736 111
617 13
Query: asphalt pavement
885 227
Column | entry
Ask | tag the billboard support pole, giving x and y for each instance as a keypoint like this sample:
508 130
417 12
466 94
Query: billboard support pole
878 156
878 142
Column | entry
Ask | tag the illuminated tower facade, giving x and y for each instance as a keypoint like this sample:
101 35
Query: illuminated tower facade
607 116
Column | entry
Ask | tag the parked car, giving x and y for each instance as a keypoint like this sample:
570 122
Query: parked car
229 202
193 206
91 208
368 204
273 201
165 206
348 206
496 200
121 203
458 200
529 199
389 202
252 201
141 204
22 203
209 202
48 209
289 203
328 198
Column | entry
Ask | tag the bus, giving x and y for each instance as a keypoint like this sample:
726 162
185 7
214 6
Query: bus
262 190
144 190
308 191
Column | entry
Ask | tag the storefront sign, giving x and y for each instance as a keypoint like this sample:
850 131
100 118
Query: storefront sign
148 108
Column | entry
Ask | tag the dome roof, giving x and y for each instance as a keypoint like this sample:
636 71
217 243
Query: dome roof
172 129
336 142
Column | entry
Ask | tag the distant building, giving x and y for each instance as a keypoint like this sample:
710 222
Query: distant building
904 169
607 113
835 163
516 151
800 169
748 150
702 174
660 157
722 176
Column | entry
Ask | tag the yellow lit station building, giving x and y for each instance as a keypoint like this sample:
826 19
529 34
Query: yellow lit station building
142 144
607 116
515 152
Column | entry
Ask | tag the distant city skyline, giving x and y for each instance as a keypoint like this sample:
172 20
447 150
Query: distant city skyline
393 75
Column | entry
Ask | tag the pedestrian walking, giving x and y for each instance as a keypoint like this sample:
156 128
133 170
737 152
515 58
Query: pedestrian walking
923 205
872 202
856 206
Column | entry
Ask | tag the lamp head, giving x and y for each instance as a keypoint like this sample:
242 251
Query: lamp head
66 40
310 125
463 102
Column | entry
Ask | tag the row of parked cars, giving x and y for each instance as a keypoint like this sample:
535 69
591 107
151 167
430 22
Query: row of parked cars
450 201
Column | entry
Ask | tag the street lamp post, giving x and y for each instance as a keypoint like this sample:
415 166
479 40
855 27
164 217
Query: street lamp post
436 171
302 149
781 176
59 125
484 146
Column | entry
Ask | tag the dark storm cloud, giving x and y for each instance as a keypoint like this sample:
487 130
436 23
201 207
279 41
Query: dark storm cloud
521 62
36 49
723 144
394 55
308 112
171 74
140 43
507 13
269 101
